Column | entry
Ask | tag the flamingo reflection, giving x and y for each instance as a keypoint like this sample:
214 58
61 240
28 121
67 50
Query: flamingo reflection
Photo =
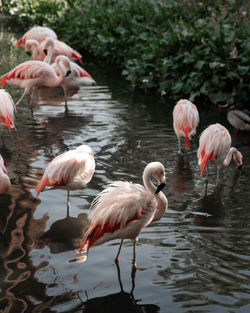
122 301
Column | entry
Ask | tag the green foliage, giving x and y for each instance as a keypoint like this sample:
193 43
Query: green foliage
198 50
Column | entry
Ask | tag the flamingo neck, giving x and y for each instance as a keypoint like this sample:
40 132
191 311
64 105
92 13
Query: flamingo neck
51 48
228 158
60 77
161 200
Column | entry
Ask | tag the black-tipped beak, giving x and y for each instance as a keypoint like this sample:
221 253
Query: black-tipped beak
45 51
240 167
29 53
160 187
68 73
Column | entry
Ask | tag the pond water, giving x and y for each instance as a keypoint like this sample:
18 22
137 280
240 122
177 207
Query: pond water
186 262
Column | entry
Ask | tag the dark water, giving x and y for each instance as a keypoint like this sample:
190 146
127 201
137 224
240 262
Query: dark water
186 262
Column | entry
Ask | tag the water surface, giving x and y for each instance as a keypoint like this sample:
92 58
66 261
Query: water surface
187 262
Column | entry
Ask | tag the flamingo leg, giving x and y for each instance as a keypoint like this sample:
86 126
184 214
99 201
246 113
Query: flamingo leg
179 143
33 96
68 203
21 98
117 259
65 97
134 255
217 179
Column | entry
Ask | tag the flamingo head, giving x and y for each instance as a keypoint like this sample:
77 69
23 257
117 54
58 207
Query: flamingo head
238 159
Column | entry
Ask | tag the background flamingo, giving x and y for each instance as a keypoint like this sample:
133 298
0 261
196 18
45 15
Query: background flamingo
4 178
70 170
185 121
123 209
6 109
37 73
38 33
215 147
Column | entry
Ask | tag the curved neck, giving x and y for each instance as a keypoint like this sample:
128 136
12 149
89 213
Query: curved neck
229 156
51 48
61 74
161 200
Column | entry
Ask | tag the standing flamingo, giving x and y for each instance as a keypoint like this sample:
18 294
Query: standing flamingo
215 147
123 209
185 121
70 170
4 178
38 33
6 109
37 73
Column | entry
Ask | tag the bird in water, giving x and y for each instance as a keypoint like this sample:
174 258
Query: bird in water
185 121
123 209
4 178
70 170
38 33
215 147
7 109
239 119
37 73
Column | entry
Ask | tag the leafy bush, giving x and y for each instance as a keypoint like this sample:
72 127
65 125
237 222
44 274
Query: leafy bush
199 50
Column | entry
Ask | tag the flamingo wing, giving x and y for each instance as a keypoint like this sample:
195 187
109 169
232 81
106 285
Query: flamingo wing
242 115
6 109
114 211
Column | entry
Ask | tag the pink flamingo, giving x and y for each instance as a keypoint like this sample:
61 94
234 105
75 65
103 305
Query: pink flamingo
6 109
215 147
185 121
4 178
124 209
38 33
57 47
70 170
37 73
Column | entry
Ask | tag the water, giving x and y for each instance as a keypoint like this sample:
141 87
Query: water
187 262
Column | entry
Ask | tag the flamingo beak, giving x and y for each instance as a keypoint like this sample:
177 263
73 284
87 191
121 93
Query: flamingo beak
68 73
160 187
28 52
240 167
45 51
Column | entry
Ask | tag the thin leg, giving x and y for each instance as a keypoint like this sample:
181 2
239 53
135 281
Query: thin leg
119 275
117 259
179 143
21 98
32 96
218 173
68 203
66 97
134 255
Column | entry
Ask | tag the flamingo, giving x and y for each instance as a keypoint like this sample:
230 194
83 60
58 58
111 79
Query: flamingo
6 109
70 170
215 147
123 209
39 50
37 73
185 121
38 33
239 119
4 178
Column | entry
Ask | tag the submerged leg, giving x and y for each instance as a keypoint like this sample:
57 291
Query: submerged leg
68 203
179 143
134 255
118 252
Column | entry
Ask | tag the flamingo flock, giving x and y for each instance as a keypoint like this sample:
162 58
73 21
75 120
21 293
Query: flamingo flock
122 209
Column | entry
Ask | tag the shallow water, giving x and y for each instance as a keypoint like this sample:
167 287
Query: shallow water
187 262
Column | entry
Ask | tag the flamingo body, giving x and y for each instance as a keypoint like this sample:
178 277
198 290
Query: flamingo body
70 170
38 33
239 119
37 73
6 109
215 147
124 209
185 121
4 178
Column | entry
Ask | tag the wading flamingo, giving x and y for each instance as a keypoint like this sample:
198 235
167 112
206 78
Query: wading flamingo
124 209
185 121
37 73
215 147
40 50
70 170
38 33
6 109
4 178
